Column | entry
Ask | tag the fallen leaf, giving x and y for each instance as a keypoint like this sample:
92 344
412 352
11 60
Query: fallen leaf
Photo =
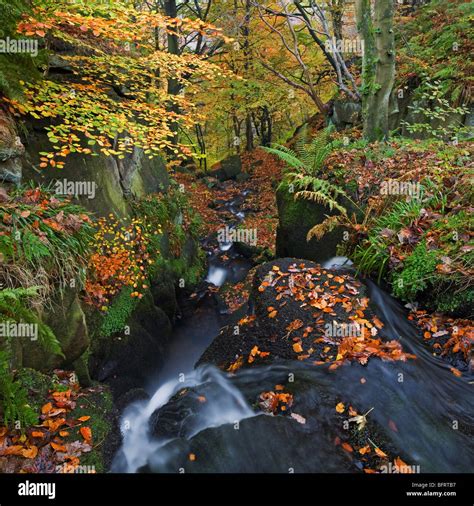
340 408
380 453
402 467
58 447
30 453
456 372
83 418
272 314
347 447
37 434
86 433
364 450
46 408
297 348
192 457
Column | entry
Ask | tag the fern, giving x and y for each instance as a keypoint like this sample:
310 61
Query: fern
13 309
13 398
320 230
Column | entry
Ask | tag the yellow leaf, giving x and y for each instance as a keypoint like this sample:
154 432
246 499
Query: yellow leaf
340 407
297 348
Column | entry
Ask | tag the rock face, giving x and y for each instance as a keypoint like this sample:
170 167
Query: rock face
346 114
229 168
67 320
113 180
11 150
296 219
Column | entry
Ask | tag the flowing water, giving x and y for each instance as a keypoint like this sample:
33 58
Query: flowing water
422 409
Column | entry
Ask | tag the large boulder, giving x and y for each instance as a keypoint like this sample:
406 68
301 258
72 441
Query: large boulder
229 168
67 321
112 180
126 359
296 218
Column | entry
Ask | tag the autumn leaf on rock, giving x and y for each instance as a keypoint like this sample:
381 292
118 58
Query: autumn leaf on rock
297 348
340 408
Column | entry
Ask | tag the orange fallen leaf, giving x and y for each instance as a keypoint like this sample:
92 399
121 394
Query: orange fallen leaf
58 447
364 450
30 453
272 314
297 348
46 408
380 453
63 433
403 468
3 431
340 407
347 447
37 434
12 450
192 457
86 433
456 372
202 398
83 418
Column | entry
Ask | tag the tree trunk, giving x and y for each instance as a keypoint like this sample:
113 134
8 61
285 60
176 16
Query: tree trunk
174 86
378 73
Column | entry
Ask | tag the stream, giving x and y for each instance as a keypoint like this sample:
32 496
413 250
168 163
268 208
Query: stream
421 408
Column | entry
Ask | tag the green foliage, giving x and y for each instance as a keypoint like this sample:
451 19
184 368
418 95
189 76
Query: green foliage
14 67
417 274
305 166
13 398
118 312
438 115
438 40
14 310
45 240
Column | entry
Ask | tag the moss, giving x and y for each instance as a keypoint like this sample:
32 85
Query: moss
118 312
418 272
98 405
37 386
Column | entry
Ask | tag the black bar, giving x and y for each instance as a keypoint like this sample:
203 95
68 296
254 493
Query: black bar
242 489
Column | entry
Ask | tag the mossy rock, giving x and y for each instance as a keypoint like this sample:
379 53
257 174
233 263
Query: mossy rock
68 323
115 180
296 218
